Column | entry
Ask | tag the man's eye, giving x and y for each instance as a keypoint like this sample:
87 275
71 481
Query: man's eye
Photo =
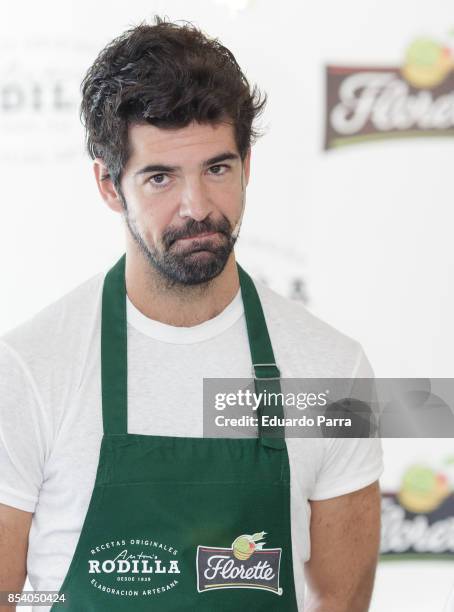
219 169
158 180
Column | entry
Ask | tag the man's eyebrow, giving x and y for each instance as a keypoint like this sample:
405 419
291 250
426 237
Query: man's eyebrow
227 155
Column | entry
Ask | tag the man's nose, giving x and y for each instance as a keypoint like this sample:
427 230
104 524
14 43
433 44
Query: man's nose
195 202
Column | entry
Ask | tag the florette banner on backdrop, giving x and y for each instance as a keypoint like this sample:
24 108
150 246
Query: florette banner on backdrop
366 103
418 519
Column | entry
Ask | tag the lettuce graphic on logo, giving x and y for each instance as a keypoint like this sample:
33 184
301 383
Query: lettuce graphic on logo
423 489
245 545
427 63
245 565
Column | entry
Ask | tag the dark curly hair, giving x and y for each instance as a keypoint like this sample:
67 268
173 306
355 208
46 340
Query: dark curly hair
168 75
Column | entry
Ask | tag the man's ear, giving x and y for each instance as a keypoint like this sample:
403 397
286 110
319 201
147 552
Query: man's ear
106 187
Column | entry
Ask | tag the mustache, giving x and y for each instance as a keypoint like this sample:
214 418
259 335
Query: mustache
194 228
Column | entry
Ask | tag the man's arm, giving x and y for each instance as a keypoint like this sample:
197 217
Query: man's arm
345 539
14 530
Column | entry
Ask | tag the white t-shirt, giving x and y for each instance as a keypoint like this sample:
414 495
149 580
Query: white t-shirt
51 418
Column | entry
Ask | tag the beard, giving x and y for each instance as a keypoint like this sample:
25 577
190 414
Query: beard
194 264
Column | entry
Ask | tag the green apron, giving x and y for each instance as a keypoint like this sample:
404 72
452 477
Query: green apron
177 523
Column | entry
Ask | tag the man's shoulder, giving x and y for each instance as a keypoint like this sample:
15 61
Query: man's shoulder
306 335
297 318
59 325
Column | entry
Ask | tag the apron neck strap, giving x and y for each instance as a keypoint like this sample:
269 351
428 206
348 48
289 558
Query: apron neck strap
264 369
114 366
114 351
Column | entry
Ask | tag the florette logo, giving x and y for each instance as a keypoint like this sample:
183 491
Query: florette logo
418 520
370 103
245 565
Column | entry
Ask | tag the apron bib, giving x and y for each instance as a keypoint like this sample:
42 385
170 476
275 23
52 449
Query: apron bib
178 523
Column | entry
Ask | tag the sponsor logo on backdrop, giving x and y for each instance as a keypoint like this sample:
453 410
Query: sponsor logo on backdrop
245 565
39 98
415 98
134 567
418 519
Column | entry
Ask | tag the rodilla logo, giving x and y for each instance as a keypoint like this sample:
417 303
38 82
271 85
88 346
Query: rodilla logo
148 566
123 564
371 103
245 565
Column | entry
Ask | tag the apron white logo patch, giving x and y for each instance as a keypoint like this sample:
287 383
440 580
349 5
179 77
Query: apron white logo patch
133 567
246 565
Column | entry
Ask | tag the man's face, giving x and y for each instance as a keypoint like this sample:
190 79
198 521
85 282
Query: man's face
183 191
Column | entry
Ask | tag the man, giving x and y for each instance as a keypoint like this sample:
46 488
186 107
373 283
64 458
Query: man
109 493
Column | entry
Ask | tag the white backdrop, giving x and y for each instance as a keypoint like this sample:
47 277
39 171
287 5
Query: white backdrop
367 228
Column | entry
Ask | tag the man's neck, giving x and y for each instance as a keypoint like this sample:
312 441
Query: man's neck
181 306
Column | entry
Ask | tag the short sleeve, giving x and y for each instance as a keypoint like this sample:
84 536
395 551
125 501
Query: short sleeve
349 464
22 433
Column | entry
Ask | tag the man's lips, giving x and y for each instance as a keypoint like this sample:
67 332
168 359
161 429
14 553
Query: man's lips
198 237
